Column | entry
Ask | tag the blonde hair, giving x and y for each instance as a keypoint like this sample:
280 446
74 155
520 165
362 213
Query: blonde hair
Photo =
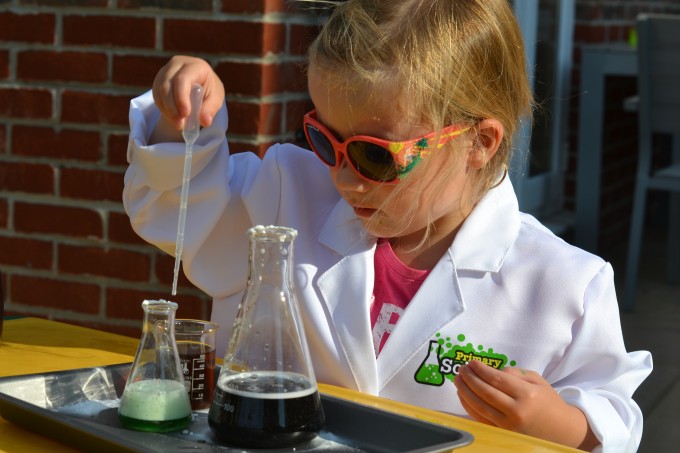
454 61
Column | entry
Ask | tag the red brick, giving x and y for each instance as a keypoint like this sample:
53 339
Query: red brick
136 70
117 149
3 139
64 66
588 13
256 6
269 119
104 262
55 294
91 184
193 5
3 213
295 112
68 3
61 144
220 37
31 253
120 230
301 36
284 77
23 177
25 103
35 28
241 78
589 34
273 38
255 79
4 64
241 147
165 271
262 148
127 303
94 108
119 31
192 307
617 33
248 118
63 220
247 147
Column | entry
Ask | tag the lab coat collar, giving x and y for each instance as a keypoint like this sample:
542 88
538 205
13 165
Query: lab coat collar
436 303
481 245
346 290
484 239
343 231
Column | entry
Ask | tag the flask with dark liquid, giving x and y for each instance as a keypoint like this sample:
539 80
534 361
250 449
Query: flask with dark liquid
266 394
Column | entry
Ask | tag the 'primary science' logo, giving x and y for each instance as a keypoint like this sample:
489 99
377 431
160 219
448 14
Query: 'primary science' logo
444 358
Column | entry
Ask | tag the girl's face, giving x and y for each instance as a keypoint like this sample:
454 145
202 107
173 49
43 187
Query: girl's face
379 115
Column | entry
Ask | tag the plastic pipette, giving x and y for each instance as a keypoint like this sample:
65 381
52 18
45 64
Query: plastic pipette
190 134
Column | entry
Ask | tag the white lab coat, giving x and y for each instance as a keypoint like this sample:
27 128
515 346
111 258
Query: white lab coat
506 286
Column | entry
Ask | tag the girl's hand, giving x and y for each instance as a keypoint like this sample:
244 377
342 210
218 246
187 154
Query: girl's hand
521 401
172 87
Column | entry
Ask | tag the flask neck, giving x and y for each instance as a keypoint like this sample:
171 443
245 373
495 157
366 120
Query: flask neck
270 261
159 316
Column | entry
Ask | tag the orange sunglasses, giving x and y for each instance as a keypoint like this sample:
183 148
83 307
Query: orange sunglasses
372 158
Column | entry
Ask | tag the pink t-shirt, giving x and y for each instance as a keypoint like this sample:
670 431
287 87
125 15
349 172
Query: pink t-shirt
394 287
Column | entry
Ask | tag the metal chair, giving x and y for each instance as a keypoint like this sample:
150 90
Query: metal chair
659 112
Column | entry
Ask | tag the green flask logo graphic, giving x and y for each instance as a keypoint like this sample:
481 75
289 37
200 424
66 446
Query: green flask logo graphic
428 372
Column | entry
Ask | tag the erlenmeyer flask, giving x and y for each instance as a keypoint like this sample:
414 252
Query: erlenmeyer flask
266 394
155 398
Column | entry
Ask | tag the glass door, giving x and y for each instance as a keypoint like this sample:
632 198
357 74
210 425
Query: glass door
538 170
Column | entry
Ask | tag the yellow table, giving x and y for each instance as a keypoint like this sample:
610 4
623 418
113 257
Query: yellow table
33 345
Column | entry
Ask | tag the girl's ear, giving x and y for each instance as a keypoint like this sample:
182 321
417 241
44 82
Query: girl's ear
489 137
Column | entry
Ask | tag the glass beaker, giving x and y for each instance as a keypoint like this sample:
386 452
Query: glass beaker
155 398
196 346
266 394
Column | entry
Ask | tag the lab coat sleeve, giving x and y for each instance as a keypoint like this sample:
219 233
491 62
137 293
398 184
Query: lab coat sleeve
598 376
215 249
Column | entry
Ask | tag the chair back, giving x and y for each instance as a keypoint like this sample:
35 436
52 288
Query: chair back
658 77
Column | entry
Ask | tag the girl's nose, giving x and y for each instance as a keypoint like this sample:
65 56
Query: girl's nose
346 178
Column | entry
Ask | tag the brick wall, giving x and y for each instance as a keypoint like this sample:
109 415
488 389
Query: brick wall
610 21
68 70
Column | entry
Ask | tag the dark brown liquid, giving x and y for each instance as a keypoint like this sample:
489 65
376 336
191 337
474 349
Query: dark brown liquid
197 361
265 420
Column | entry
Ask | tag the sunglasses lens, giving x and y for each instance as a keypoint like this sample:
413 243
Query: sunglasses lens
321 145
372 161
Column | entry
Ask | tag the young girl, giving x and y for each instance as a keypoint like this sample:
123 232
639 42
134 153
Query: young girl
418 278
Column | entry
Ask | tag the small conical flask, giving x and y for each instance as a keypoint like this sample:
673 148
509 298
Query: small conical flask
155 398
266 394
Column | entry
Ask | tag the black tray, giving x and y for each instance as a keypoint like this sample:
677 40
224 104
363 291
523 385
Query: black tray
80 408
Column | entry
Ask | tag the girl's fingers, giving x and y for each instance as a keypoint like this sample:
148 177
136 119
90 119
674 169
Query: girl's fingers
525 375
501 381
212 100
479 396
474 414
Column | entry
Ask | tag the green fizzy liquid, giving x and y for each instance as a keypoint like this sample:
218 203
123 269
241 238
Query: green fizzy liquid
157 405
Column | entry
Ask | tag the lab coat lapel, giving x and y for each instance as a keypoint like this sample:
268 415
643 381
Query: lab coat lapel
440 298
438 301
346 289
